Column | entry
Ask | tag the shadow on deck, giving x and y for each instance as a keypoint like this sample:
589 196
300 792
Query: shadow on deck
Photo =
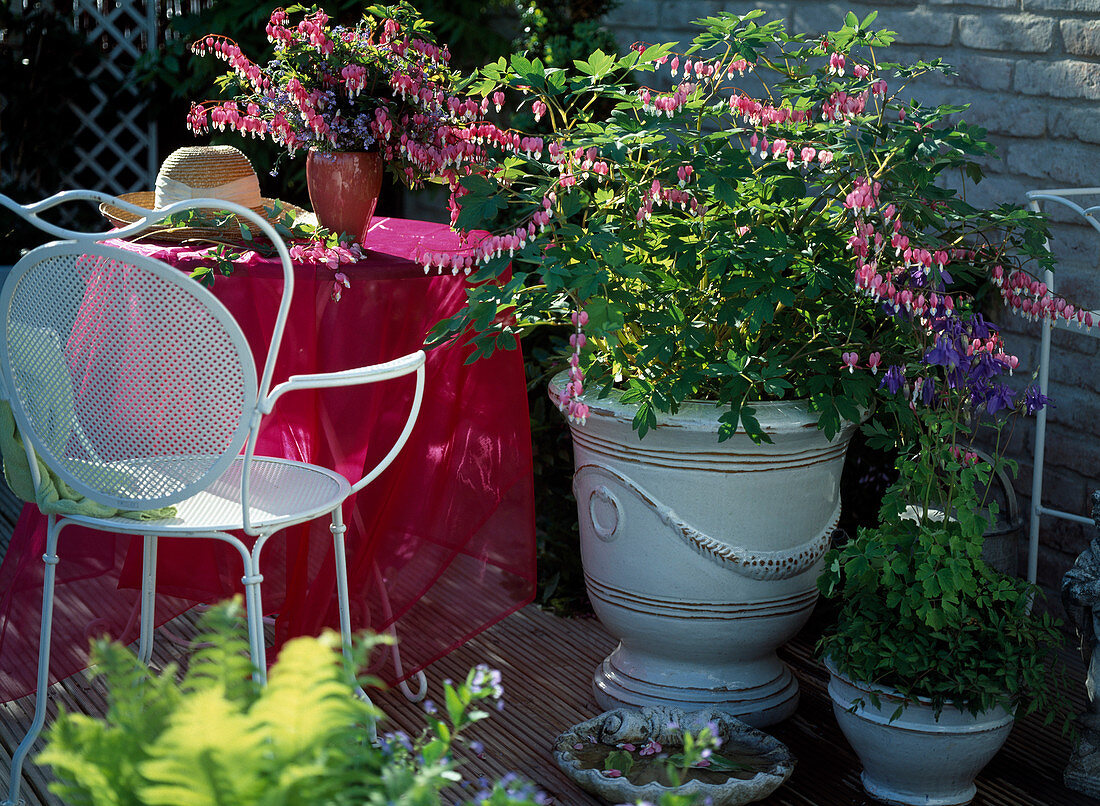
547 664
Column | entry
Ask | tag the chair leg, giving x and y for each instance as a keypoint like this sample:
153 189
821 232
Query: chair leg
421 679
338 529
339 555
50 558
148 598
254 612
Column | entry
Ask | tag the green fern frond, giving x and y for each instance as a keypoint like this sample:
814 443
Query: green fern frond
222 660
205 756
306 698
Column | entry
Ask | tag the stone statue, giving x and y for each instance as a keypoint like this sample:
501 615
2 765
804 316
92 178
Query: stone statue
1081 598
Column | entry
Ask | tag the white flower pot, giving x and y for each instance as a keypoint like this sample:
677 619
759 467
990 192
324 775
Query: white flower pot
916 758
702 556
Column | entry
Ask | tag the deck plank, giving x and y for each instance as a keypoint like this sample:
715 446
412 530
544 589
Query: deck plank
547 664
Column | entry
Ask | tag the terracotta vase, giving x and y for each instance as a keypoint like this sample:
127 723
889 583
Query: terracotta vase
343 189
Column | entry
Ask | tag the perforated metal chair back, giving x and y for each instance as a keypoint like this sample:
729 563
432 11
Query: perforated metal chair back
129 379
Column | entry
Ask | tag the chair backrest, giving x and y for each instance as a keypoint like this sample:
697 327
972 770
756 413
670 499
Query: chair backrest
1064 199
129 379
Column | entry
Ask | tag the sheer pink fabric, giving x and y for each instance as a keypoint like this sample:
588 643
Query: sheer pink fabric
440 546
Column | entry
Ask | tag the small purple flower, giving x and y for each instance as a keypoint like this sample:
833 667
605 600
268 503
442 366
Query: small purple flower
943 354
487 681
1001 397
429 707
477 748
613 773
627 746
924 391
1034 400
893 380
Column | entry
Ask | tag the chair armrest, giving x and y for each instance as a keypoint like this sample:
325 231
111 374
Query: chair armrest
348 377
413 362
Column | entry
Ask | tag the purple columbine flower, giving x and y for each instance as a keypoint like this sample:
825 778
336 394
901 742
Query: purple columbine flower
945 353
893 380
1000 397
1034 400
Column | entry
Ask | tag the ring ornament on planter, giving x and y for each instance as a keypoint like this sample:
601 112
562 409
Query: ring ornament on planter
604 531
762 565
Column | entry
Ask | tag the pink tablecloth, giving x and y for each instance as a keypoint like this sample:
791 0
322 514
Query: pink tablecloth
441 545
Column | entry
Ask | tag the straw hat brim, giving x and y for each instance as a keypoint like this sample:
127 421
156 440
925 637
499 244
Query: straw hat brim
223 227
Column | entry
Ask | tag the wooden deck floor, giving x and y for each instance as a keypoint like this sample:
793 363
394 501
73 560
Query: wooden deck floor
547 662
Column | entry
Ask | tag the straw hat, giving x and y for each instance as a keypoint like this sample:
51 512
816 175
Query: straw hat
196 172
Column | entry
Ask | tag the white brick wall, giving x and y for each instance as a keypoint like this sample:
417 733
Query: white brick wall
1030 69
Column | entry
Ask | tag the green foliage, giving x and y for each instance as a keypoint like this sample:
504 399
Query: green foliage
230 248
558 32
218 739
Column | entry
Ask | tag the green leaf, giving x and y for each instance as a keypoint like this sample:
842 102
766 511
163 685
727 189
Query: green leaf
598 65
619 760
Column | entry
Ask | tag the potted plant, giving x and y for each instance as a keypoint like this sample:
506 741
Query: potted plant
934 653
217 737
379 93
729 251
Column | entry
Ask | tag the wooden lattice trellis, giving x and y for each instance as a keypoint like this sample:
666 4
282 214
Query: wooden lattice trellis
115 148
114 139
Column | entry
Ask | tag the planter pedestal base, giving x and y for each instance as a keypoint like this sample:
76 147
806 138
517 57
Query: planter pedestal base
885 793
622 681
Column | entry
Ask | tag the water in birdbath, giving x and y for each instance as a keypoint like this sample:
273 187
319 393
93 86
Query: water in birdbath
648 763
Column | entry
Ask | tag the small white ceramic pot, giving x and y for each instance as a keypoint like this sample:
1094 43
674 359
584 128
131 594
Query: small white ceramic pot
918 759
702 556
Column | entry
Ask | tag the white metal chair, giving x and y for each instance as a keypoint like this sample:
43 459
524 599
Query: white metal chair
1091 216
168 353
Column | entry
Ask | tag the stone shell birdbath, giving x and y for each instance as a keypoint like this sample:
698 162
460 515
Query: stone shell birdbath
749 764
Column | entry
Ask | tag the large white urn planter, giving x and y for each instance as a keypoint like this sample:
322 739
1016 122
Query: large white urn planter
702 556
918 758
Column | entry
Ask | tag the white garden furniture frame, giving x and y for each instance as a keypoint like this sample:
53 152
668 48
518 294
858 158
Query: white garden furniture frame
145 312
1068 199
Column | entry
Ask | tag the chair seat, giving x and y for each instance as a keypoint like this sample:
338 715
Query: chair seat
282 492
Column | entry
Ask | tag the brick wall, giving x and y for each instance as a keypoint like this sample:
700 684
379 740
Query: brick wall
1030 70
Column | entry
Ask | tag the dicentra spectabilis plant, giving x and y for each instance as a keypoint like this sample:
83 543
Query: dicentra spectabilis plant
382 85
773 219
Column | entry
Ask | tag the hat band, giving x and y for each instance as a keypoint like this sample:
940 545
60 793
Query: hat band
244 191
